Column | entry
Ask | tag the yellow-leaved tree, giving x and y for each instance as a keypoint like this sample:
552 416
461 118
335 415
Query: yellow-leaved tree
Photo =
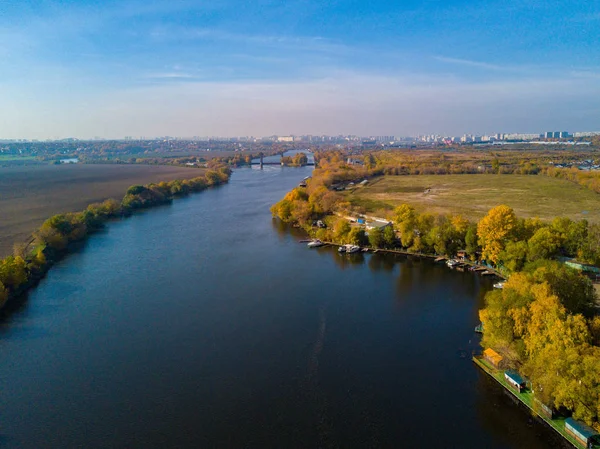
496 229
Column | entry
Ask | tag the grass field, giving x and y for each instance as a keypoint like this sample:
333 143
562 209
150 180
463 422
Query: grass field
30 195
473 195
15 157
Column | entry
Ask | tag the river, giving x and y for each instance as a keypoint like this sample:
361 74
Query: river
206 324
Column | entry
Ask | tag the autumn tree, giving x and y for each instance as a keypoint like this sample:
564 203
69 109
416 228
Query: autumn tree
495 230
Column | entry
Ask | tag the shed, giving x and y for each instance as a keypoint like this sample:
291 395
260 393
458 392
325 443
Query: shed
515 380
584 267
579 431
543 409
495 359
377 224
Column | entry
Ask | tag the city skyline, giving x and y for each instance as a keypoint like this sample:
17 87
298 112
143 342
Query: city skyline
83 69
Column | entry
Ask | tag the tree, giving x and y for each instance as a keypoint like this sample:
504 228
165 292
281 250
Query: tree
514 256
471 246
543 244
13 272
575 291
341 231
389 237
376 238
358 237
3 293
495 230
405 217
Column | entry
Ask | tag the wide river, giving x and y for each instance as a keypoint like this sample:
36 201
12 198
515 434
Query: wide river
205 324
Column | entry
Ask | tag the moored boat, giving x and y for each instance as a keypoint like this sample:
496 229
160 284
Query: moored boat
315 243
352 249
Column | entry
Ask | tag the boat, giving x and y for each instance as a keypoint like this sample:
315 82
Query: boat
352 249
499 285
452 263
479 328
315 243
342 249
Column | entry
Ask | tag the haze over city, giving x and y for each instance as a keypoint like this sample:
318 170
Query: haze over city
232 68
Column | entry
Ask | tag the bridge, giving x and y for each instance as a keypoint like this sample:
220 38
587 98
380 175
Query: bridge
263 163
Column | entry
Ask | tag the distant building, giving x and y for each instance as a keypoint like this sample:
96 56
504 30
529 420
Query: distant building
565 135
285 139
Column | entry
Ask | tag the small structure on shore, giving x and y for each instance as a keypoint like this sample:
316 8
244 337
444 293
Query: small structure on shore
543 409
515 380
578 430
493 358
377 224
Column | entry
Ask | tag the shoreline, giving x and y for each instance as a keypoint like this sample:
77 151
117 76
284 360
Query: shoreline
556 424
419 255
143 198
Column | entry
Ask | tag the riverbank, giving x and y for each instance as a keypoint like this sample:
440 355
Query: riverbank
434 257
56 238
31 194
527 398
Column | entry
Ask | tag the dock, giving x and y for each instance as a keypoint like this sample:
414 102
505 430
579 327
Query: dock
526 398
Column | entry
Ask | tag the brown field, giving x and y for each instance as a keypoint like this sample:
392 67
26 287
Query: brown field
30 195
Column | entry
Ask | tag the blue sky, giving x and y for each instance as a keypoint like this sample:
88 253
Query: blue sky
223 67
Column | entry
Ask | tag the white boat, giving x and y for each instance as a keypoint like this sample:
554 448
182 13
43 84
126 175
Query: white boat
342 249
315 243
499 285
352 249
452 263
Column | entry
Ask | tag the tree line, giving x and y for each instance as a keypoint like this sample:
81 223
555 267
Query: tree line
50 242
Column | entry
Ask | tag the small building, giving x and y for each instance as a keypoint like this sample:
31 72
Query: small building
515 380
461 254
377 224
580 431
543 409
588 270
495 359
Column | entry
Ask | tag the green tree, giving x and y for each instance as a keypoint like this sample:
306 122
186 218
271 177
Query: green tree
389 237
376 238
471 246
544 244
358 237
13 272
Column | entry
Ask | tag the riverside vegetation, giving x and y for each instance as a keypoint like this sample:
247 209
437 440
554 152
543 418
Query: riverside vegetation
544 321
52 240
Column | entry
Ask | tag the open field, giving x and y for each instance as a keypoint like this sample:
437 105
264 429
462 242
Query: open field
29 195
473 195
